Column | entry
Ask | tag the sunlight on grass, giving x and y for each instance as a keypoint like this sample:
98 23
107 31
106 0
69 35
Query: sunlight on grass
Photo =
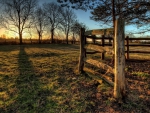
8 75
139 56
41 79
141 74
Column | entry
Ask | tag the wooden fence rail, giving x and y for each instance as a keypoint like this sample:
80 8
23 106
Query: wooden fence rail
101 41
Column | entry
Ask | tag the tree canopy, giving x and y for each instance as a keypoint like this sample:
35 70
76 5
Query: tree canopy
135 12
79 4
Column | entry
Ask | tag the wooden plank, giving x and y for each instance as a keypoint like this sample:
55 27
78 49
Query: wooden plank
95 48
92 52
98 31
96 38
147 45
97 76
107 50
108 31
108 45
100 65
146 52
92 37
138 39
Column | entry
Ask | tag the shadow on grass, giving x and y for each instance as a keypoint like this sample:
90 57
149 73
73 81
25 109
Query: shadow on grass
8 48
31 96
54 46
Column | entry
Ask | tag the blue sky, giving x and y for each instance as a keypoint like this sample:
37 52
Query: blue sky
84 16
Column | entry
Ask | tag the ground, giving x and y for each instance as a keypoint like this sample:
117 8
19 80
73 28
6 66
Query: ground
43 79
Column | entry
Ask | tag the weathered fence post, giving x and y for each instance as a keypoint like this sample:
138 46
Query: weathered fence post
109 41
119 86
93 40
103 43
127 54
82 51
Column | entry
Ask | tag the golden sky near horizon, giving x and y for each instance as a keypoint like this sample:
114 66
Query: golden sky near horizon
7 33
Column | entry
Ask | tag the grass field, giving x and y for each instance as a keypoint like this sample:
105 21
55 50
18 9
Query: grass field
42 79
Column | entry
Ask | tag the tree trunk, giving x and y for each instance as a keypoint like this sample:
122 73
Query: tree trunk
67 36
73 39
52 35
20 37
119 86
114 18
31 40
39 38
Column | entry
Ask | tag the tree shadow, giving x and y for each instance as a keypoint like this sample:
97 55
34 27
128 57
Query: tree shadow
8 48
137 60
31 96
56 46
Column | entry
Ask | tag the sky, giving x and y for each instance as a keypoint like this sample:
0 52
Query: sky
84 17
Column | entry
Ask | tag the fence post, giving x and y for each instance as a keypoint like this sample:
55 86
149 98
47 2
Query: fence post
127 54
93 39
119 86
109 41
103 43
82 50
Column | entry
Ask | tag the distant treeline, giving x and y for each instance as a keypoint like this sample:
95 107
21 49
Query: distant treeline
35 41
15 41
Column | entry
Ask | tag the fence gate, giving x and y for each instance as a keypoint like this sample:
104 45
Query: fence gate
86 47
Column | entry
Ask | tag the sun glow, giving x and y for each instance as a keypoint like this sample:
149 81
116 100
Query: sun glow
10 34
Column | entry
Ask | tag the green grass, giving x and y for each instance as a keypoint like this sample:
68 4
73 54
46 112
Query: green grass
141 74
41 79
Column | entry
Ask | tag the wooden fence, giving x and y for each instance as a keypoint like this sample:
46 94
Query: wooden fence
100 47
128 45
107 43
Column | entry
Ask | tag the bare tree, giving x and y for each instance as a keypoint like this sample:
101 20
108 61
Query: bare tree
39 22
16 15
69 18
77 26
54 16
75 29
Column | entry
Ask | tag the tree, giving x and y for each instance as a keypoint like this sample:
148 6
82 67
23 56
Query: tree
69 18
134 12
39 21
76 28
79 4
16 15
53 16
